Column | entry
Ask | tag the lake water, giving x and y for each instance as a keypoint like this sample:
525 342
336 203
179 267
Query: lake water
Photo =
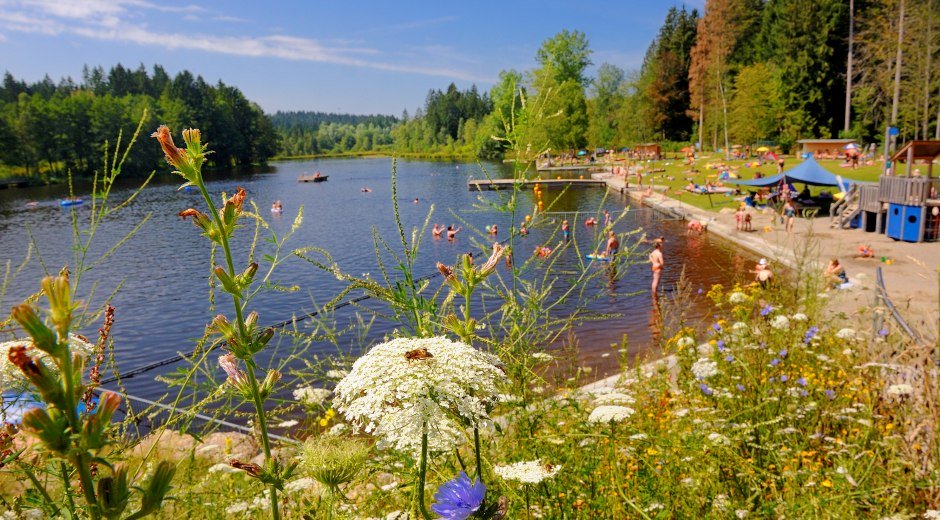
162 305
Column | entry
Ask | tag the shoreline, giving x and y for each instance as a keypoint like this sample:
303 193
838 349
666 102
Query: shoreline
911 279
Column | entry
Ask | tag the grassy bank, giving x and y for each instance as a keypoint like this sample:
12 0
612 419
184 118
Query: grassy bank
381 153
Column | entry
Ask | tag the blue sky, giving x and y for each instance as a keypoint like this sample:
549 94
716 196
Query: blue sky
367 57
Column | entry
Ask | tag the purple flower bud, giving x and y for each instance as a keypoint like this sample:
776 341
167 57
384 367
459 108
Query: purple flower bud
803 393
721 345
729 358
705 390
767 309
801 381
774 362
783 353
883 332
784 378
717 327
830 394
700 291
740 387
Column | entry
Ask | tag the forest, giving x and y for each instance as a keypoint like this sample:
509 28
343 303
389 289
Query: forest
49 129
741 72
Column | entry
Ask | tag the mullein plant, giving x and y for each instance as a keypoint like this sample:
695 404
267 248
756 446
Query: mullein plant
77 441
243 337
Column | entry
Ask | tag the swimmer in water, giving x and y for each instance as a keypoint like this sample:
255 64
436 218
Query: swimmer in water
366 190
493 230
437 230
656 264
416 200
452 233
523 230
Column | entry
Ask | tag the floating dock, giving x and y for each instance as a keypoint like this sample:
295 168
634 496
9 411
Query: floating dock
508 184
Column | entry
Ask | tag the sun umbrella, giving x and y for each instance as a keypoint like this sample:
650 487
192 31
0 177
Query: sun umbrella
687 149
851 146
763 149
582 152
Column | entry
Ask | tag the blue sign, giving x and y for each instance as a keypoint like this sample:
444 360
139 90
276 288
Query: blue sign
893 130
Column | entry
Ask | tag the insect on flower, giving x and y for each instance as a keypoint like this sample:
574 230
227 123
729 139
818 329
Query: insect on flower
418 353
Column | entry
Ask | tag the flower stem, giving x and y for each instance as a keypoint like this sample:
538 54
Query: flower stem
243 332
527 507
476 448
65 483
78 460
422 473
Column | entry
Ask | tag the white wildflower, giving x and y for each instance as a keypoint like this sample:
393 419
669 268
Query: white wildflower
932 514
799 317
336 374
718 439
527 472
737 297
848 352
222 467
542 356
237 507
609 413
338 429
704 368
399 397
614 398
899 390
682 412
705 349
720 502
638 437
299 485
739 326
822 357
206 448
845 334
311 396
688 481
655 506
287 424
685 341
508 398
741 513
780 322
390 486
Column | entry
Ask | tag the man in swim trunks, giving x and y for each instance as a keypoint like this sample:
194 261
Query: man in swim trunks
613 245
657 262
763 274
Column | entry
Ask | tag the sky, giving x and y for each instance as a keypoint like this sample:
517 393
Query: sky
330 56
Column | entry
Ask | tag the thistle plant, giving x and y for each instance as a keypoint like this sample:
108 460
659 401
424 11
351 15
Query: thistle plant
243 337
76 441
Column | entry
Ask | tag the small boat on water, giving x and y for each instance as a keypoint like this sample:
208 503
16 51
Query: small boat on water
316 177
73 201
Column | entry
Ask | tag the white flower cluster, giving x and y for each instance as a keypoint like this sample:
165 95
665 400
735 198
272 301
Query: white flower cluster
737 297
705 349
542 356
336 374
613 398
311 396
739 327
299 485
845 334
610 413
704 368
899 390
780 322
686 341
799 317
12 379
408 386
528 472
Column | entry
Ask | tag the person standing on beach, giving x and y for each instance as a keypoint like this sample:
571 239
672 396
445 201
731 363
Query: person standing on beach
657 262
789 215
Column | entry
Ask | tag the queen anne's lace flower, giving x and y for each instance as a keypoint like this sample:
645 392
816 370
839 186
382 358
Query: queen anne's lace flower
704 368
542 356
685 341
900 390
405 387
614 398
12 379
311 396
528 472
737 297
780 322
799 317
845 334
610 413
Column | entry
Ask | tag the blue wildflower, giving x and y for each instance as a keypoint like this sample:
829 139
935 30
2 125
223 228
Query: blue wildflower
729 358
459 499
767 309
784 378
783 353
772 380
700 291
740 387
717 327
774 362
883 332
830 394
810 334
801 381
705 390
721 345
803 393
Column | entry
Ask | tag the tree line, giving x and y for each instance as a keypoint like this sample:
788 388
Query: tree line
311 133
48 129
743 71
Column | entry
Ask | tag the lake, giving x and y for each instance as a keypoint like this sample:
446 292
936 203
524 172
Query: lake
162 305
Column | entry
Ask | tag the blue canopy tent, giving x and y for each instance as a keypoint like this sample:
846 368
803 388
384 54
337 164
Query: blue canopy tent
807 172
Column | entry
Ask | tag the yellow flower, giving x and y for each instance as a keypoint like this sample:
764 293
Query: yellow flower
826 483
324 422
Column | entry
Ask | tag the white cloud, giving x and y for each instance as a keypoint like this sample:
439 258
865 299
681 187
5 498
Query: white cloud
111 20
2 38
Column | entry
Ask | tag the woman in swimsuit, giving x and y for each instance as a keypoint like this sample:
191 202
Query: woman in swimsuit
789 213
452 233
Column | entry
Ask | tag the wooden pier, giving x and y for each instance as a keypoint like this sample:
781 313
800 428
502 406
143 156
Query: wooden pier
508 184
